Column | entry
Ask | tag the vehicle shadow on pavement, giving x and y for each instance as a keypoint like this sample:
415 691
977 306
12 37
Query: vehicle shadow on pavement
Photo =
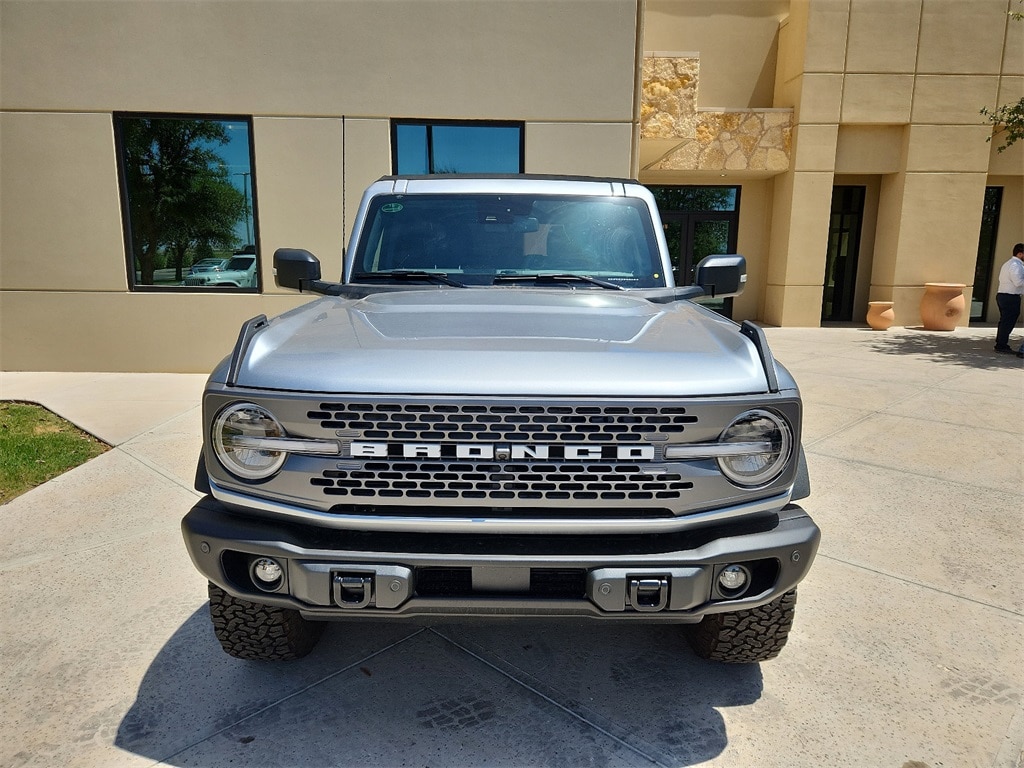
457 695
947 347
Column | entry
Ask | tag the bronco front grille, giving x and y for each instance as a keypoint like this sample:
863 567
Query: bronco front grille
489 422
492 480
503 482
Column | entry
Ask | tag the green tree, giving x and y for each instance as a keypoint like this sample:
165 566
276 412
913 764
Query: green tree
204 218
179 193
1007 119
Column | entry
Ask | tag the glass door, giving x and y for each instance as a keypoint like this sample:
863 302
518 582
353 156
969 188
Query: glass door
699 222
843 250
986 252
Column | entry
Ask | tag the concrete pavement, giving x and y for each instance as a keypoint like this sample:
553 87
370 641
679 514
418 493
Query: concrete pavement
908 649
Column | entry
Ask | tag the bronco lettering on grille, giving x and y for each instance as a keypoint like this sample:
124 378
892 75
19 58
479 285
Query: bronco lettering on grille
503 452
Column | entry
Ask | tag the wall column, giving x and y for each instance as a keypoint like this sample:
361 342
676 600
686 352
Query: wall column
801 211
812 45
928 220
796 262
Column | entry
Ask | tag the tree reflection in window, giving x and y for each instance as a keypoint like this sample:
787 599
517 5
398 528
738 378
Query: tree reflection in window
186 187
693 198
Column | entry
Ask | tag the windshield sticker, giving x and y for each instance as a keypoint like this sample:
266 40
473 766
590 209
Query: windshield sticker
391 207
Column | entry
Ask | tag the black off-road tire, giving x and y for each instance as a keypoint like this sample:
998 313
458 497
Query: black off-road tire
260 632
747 636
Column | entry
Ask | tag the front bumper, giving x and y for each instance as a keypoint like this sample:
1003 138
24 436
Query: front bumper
339 574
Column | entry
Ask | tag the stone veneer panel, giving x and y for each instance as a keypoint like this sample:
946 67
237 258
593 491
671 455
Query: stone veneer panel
710 140
668 107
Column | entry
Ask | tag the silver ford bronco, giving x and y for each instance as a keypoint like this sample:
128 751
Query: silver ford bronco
506 409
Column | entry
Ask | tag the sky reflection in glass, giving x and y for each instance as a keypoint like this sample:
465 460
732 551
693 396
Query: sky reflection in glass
425 149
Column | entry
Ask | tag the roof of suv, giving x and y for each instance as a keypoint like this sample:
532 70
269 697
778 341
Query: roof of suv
498 183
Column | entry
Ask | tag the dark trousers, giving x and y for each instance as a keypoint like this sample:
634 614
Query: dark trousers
1009 311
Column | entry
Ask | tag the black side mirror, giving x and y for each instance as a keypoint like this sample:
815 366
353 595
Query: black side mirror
722 276
295 268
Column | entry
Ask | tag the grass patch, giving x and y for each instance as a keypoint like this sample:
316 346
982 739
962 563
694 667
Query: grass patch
36 446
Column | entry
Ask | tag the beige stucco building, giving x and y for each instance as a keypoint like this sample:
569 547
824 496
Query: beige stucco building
842 141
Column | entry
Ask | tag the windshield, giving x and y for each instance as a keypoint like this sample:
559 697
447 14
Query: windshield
240 263
484 239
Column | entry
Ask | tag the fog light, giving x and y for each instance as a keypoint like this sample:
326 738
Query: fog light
733 577
267 571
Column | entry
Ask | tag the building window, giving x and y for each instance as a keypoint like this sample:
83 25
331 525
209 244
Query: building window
188 202
420 147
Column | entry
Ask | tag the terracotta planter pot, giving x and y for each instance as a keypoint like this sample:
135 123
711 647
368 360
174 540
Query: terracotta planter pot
942 305
880 315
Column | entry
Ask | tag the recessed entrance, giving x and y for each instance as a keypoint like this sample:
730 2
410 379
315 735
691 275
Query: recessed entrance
843 250
985 265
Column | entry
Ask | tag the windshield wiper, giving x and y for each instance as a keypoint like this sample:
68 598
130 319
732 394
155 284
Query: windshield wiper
554 279
408 274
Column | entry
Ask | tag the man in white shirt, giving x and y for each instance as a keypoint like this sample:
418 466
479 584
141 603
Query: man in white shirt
1011 286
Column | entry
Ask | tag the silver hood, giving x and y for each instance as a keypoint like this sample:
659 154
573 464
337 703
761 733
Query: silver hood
501 341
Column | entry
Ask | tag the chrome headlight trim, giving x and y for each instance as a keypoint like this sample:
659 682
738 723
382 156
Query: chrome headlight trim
716 450
288 445
755 431
238 432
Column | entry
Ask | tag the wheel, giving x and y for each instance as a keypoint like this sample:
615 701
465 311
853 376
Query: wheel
260 632
746 636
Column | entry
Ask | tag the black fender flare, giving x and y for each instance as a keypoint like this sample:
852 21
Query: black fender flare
802 483
202 479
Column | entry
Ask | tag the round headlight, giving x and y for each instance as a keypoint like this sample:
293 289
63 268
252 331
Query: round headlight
764 444
234 431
